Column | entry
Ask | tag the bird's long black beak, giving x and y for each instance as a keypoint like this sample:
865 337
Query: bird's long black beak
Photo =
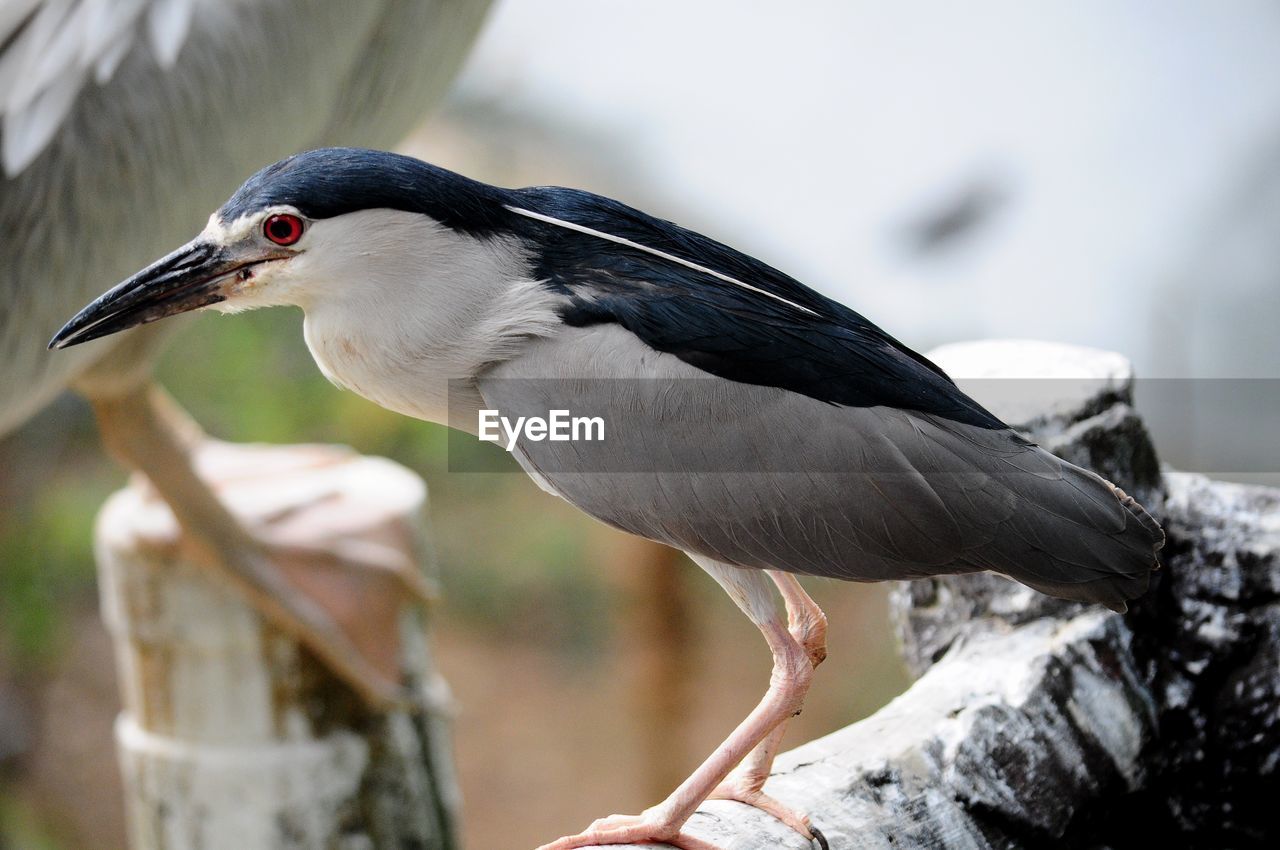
196 275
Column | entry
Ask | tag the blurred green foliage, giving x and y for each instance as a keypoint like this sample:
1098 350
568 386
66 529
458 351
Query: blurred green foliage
20 828
46 547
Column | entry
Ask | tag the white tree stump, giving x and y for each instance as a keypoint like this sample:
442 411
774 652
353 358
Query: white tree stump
234 737
1037 722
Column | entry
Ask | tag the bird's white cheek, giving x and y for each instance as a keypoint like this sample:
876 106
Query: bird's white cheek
270 284
229 307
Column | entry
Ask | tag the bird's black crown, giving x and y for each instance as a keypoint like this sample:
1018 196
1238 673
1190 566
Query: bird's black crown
329 182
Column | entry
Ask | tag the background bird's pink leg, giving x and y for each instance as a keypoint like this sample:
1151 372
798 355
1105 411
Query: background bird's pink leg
149 432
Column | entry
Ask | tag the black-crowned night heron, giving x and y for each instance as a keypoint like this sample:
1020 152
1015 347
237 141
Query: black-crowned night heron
760 427
121 125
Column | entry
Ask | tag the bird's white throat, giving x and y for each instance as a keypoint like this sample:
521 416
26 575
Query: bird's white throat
419 306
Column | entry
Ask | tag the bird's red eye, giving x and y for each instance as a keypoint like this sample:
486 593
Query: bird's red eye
283 229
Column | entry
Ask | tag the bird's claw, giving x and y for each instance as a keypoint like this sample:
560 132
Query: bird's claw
356 588
365 556
341 598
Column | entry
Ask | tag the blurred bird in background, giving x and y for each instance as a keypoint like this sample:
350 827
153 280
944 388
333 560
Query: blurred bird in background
122 122
751 422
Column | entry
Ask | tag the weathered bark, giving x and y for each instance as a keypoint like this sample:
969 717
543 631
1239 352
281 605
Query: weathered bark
233 736
1042 723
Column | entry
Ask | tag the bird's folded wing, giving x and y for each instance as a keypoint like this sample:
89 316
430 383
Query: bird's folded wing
765 477
723 311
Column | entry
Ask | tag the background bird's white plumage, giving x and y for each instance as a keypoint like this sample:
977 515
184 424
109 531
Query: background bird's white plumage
51 49
124 168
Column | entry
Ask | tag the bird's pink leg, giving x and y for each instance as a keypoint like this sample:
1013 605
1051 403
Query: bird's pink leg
147 431
792 673
808 625
805 619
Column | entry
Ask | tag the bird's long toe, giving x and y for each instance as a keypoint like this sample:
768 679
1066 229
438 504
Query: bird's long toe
631 829
355 594
309 565
341 602
731 789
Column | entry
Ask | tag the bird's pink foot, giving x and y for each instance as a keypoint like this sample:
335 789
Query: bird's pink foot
631 829
742 792
310 559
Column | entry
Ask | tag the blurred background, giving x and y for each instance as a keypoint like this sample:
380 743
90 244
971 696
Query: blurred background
1095 173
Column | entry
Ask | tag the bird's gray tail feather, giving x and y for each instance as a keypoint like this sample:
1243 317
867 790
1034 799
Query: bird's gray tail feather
1133 559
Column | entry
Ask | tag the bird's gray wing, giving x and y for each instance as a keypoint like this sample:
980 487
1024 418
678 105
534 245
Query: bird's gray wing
760 476
51 49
